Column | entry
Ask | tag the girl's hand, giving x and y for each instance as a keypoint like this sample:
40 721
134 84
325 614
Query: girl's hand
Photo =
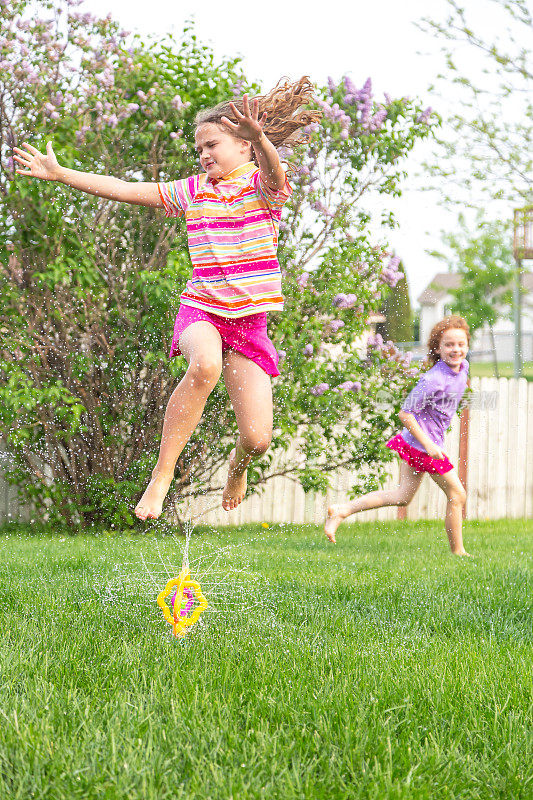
37 165
249 126
435 452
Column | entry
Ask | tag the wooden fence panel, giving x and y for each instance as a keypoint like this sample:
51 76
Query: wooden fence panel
496 433
473 471
511 451
528 466
519 487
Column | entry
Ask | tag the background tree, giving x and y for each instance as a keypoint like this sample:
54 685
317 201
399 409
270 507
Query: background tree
90 288
486 146
484 260
398 325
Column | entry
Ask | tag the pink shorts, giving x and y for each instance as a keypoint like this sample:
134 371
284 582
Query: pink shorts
247 335
419 460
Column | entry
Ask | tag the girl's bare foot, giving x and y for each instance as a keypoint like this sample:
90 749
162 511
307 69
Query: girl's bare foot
461 553
150 505
334 519
235 487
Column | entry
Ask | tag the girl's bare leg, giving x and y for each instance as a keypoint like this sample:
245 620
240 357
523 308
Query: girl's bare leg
201 345
400 496
456 498
250 393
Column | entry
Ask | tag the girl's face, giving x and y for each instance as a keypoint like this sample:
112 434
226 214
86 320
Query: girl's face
220 152
453 347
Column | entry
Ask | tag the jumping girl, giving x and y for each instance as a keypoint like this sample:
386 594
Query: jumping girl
232 212
426 414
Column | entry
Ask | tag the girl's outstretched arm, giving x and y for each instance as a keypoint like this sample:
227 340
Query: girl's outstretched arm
46 167
250 127
409 420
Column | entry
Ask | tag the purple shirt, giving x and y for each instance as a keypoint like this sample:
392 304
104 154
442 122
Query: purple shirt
434 401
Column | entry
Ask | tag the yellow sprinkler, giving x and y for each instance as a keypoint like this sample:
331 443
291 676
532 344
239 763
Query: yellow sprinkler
182 602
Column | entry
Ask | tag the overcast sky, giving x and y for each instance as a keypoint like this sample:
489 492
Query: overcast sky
287 37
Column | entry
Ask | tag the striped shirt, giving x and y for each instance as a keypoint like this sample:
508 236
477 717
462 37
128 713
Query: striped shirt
232 229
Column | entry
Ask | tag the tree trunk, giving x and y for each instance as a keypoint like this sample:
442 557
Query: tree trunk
494 356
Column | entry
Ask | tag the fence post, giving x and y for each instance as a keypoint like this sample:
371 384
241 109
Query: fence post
463 450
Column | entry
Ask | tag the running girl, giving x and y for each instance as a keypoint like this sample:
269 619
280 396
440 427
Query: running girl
426 414
232 212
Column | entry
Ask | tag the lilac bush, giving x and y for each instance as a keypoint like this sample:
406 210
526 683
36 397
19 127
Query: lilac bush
90 288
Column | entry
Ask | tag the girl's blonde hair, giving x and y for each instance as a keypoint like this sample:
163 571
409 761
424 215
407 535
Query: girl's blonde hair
284 109
441 327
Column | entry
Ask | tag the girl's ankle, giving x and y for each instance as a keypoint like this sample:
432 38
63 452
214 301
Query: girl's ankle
159 474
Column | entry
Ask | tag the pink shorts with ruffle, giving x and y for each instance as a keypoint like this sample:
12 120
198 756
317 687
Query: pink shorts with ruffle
419 460
247 335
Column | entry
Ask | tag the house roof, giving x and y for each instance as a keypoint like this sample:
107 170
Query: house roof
443 281
438 287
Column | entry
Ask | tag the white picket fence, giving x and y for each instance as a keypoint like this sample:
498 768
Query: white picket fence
499 473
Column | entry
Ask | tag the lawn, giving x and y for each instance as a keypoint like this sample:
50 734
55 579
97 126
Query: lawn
379 668
485 369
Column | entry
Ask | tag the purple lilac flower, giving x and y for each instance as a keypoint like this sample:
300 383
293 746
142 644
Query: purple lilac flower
349 386
349 85
319 389
391 274
364 98
321 208
308 350
376 122
335 325
107 78
424 116
365 93
303 280
374 341
343 300
237 88
366 110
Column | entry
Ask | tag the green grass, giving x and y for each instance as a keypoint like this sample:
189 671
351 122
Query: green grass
506 370
379 668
